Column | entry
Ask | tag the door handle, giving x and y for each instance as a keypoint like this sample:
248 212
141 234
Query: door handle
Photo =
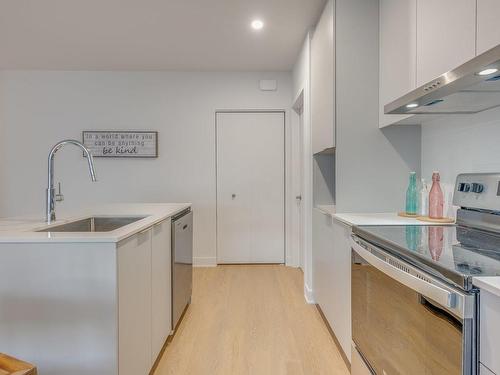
298 197
233 196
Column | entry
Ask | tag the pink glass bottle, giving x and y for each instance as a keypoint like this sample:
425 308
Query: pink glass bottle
436 238
436 198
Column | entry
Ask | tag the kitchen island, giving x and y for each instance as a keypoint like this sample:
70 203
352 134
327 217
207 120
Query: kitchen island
88 302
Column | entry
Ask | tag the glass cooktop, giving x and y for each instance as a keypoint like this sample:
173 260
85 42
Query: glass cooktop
452 253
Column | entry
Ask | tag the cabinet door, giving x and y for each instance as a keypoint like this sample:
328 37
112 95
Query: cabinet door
398 49
446 36
323 262
332 275
134 304
322 82
341 322
161 286
488 26
489 328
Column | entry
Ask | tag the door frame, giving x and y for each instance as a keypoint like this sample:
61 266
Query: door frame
298 173
303 152
287 186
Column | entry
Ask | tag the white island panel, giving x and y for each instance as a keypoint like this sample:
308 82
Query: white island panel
58 306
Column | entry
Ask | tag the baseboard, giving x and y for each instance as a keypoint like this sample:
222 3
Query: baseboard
205 262
335 340
309 294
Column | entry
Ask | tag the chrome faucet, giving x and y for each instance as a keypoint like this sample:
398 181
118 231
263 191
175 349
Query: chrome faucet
51 209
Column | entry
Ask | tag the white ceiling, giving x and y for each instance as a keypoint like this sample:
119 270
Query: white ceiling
153 34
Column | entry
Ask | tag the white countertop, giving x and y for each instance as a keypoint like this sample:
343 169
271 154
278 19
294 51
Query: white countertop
384 218
23 229
489 283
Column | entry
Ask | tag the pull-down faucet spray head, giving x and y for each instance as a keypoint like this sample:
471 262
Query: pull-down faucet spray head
50 208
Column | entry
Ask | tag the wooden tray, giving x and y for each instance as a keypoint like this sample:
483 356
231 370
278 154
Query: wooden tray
404 214
10 365
443 220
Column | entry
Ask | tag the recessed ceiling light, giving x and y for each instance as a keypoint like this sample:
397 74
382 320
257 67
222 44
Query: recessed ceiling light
257 24
412 105
486 72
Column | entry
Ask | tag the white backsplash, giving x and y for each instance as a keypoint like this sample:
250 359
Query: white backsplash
460 144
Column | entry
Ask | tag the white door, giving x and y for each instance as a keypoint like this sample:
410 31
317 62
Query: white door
250 187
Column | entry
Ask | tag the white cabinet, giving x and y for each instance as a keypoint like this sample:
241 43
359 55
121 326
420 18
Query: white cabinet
489 345
323 262
161 311
341 314
103 307
488 27
323 82
446 36
134 304
332 275
144 298
397 53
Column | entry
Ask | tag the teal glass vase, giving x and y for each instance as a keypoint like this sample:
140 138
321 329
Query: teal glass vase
411 195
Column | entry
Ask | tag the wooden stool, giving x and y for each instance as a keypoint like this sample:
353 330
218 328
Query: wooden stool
12 366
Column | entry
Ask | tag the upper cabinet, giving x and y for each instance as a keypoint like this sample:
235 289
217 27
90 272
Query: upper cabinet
423 39
446 36
323 82
488 27
398 37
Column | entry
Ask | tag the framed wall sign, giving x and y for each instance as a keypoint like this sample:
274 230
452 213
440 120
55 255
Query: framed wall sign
122 144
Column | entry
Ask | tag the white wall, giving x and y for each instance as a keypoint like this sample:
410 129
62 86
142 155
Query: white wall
301 68
2 155
323 179
372 165
461 144
41 108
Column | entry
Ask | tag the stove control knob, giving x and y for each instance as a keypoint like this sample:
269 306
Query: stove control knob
477 188
464 187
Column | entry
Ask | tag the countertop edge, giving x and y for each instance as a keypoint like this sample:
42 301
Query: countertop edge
160 212
490 284
373 219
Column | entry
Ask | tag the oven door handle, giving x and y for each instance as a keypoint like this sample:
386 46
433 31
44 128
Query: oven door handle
437 294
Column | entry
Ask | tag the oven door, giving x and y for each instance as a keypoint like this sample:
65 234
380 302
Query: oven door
406 322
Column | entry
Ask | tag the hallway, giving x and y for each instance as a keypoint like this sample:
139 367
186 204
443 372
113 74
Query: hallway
251 320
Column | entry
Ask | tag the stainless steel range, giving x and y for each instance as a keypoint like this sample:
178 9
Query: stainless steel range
414 305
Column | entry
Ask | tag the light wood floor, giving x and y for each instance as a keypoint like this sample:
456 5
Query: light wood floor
250 320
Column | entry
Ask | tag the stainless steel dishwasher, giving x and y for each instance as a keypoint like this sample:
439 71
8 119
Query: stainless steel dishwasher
182 264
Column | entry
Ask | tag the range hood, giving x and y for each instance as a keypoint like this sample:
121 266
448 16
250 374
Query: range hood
472 87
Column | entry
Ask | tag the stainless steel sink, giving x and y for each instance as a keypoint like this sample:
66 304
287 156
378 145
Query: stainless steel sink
94 224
